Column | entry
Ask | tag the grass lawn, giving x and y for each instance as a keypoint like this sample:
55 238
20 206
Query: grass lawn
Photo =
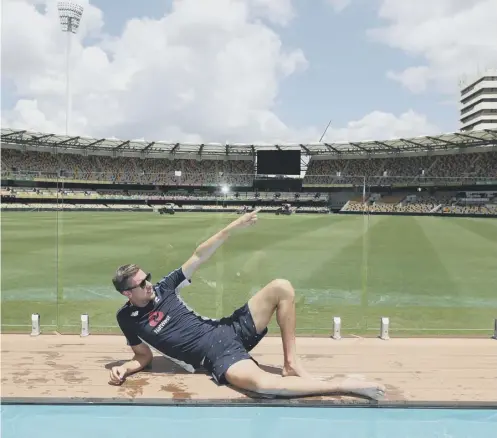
430 275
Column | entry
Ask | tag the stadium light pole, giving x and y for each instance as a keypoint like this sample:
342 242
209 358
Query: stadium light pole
70 16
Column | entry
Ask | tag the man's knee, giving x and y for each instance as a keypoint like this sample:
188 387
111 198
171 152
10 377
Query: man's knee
283 288
248 376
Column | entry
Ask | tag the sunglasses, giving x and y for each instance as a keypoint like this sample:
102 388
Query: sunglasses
142 283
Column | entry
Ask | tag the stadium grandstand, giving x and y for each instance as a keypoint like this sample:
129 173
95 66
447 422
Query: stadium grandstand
449 174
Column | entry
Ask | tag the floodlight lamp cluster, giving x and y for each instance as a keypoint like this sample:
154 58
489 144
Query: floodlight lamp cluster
70 16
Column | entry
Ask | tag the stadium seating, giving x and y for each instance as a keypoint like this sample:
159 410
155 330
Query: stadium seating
449 170
127 170
440 203
459 167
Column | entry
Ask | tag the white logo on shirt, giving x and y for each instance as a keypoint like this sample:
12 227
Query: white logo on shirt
162 324
135 313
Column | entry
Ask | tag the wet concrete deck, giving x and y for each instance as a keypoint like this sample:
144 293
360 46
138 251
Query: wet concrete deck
415 371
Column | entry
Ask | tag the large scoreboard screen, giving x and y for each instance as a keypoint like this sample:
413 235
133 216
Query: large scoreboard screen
278 162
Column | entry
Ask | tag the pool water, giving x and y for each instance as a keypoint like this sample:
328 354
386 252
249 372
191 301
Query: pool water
95 421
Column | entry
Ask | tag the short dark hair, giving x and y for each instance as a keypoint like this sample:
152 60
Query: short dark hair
122 276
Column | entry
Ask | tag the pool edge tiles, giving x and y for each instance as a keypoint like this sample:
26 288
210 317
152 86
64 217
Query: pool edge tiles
276 402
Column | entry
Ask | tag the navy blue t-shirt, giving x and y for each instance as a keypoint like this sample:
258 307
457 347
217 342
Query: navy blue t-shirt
168 324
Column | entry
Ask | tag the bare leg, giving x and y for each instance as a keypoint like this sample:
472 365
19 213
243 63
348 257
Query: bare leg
279 296
247 375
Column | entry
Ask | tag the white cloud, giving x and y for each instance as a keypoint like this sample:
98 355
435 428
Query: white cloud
452 37
339 5
210 72
379 125
276 11
200 73
413 78
28 111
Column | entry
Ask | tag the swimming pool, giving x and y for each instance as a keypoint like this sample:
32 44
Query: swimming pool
95 421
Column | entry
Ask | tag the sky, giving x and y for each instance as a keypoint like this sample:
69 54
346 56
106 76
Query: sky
244 71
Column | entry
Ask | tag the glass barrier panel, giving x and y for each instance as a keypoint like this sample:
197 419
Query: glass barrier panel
29 251
416 249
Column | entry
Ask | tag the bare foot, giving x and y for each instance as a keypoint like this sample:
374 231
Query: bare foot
364 388
295 370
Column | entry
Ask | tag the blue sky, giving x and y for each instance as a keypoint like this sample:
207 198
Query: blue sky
345 78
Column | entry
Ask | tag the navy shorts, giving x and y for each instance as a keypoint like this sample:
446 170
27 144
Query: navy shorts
231 342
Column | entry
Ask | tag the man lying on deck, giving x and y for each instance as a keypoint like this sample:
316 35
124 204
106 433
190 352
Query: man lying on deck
155 316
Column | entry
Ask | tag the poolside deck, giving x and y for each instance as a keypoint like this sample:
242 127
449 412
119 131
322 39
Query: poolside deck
415 371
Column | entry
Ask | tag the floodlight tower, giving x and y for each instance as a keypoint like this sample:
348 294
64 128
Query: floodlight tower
70 16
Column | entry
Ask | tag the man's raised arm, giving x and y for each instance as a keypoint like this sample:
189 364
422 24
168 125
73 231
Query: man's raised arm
209 247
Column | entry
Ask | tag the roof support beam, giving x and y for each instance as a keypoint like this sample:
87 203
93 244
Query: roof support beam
419 145
14 133
386 145
359 147
94 143
305 149
458 134
442 141
492 133
331 148
42 137
66 141
119 146
146 148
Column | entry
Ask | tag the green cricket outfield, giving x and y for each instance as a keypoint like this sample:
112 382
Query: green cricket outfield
429 275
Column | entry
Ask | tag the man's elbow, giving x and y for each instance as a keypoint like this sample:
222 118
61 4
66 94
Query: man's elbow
144 359
191 265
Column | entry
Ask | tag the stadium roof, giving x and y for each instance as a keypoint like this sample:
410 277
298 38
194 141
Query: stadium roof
454 140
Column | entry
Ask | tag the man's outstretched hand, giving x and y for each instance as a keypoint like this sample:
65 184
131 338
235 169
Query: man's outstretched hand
245 220
117 375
